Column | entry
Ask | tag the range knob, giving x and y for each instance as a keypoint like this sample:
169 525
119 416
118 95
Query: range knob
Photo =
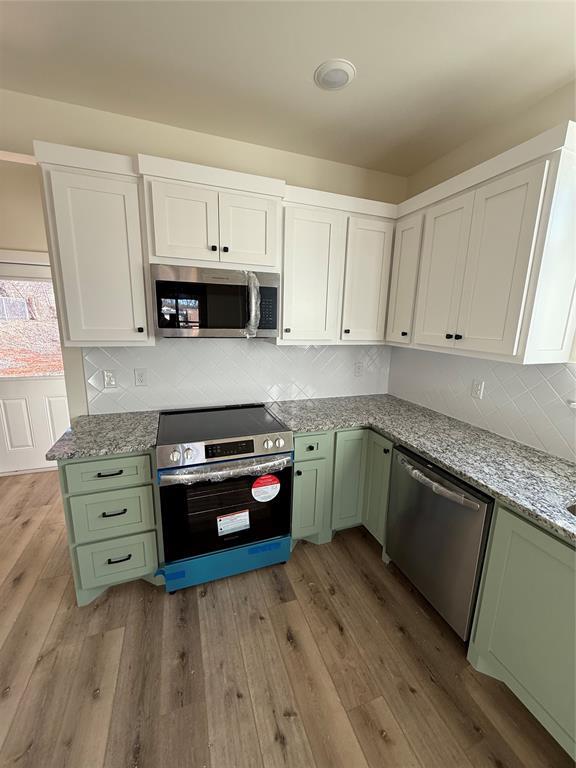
268 444
188 454
279 442
175 455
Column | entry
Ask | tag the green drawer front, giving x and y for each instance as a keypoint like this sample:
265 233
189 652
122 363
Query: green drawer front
89 476
313 446
112 513
117 560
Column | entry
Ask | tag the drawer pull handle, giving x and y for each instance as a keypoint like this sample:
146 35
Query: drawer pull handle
386 450
299 472
111 474
114 560
115 514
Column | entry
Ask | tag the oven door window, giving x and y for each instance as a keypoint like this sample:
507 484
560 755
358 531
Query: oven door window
201 305
209 517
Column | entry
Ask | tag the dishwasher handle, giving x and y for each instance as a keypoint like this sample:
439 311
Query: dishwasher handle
435 487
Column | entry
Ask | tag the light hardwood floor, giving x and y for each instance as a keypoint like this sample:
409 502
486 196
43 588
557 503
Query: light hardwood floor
331 661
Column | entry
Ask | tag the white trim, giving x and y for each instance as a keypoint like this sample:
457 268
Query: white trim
35 258
17 157
56 377
319 199
87 159
179 170
25 271
562 136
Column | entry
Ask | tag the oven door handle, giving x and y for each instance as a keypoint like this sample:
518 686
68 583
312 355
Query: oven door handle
218 473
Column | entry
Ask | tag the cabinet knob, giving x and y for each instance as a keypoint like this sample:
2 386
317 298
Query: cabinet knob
385 450
346 330
287 330
457 336
404 333
309 447
213 247
449 335
225 248
140 329
299 472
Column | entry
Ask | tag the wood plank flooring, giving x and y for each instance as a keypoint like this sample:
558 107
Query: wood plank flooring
331 661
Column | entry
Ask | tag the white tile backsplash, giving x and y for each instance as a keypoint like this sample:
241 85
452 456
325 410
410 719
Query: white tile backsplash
200 372
525 403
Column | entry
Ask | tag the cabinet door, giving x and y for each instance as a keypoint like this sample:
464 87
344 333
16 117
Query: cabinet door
249 229
313 265
366 279
504 223
404 278
525 627
349 471
185 220
444 249
378 465
310 497
99 255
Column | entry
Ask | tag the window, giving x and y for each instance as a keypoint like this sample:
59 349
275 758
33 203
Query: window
29 339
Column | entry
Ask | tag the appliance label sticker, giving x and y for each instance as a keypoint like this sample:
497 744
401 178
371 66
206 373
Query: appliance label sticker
232 522
266 488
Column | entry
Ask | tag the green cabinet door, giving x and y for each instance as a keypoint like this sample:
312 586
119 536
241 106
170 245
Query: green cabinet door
525 622
378 465
349 473
310 498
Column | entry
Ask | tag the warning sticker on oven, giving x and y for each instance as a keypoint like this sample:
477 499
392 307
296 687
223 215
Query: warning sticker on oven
266 488
233 521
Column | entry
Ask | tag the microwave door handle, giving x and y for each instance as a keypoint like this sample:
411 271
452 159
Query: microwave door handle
438 488
253 304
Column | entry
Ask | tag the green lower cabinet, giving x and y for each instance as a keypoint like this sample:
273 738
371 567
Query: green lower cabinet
524 630
349 470
311 497
377 484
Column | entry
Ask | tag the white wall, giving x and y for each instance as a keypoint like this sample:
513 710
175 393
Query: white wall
527 403
202 372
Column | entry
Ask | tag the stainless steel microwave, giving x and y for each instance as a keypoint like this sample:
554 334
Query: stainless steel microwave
218 303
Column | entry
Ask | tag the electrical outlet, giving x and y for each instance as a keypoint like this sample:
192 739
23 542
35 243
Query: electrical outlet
109 379
477 389
141 377
359 369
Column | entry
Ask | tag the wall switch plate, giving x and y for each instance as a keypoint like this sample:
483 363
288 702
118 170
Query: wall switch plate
141 377
477 389
359 369
109 379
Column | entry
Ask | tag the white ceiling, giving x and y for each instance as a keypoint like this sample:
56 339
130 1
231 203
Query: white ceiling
430 74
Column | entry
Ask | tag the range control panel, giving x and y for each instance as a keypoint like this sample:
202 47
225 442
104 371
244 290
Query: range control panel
221 450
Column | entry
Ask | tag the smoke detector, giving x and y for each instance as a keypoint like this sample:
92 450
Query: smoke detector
334 74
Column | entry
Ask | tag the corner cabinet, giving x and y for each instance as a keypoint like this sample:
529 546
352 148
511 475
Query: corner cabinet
404 279
525 627
93 221
349 471
377 485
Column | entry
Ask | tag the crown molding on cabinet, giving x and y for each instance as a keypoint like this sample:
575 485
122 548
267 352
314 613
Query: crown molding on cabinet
86 159
562 136
318 199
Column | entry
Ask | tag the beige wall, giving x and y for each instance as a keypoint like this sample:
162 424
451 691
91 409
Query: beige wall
21 220
559 106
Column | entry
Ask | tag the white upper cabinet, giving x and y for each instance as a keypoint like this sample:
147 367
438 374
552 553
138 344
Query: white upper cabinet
199 224
404 278
185 221
313 266
500 252
444 247
94 224
366 277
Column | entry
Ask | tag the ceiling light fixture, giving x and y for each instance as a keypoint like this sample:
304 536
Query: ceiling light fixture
334 74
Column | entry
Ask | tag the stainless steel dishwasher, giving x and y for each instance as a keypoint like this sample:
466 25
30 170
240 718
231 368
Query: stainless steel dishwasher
436 533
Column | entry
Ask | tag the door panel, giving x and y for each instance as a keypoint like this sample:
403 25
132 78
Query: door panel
504 224
309 497
404 278
366 279
378 466
349 479
185 221
444 251
313 264
248 227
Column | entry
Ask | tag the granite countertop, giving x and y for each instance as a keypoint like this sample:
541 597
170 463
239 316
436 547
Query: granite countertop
535 484
108 433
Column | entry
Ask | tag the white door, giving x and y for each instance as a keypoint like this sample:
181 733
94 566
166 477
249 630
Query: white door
366 279
249 229
185 221
404 278
99 256
313 267
33 405
444 249
504 224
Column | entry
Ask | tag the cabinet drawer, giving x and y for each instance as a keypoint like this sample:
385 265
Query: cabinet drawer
313 446
112 513
88 476
117 560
